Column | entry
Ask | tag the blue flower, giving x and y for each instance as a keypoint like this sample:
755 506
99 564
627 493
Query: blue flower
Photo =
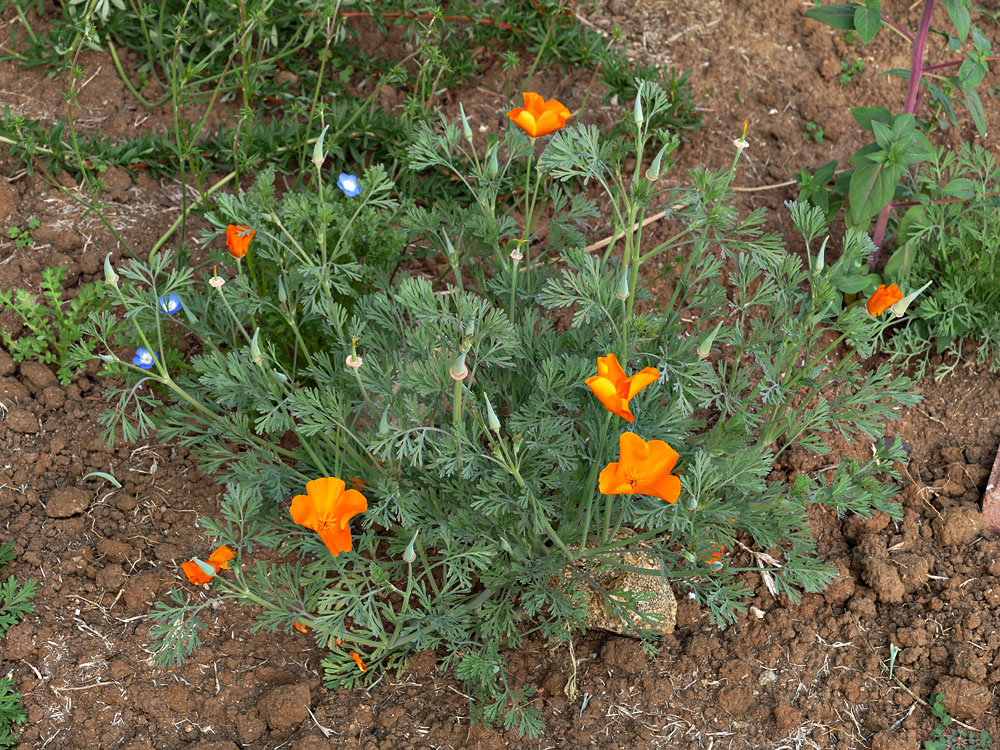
143 358
171 304
349 184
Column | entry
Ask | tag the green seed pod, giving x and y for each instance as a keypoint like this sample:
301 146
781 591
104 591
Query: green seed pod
318 155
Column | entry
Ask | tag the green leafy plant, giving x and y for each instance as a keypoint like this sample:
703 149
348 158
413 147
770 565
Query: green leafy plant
54 324
900 145
472 423
21 237
948 237
813 131
12 713
849 70
15 603
945 736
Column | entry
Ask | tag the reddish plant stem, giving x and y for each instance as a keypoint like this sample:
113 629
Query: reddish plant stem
916 74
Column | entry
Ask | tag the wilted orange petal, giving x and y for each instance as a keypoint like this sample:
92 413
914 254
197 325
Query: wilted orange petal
221 557
301 628
357 660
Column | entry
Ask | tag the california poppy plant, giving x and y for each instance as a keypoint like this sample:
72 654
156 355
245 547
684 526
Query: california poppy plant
642 469
883 298
539 117
238 240
326 508
197 571
614 390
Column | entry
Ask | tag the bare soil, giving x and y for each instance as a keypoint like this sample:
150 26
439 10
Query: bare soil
808 676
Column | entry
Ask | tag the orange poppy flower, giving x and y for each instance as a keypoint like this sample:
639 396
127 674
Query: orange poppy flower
642 468
300 627
539 117
357 660
883 299
326 508
238 240
218 560
614 390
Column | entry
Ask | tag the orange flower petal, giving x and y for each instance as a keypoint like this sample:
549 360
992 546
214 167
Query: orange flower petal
221 557
357 660
194 573
607 393
641 379
301 628
883 298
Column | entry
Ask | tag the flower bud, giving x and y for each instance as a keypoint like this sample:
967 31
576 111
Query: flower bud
622 291
466 129
458 370
409 554
637 110
820 263
492 164
505 546
491 416
256 355
383 424
705 347
653 173
691 502
106 357
110 277
318 155
900 307
279 376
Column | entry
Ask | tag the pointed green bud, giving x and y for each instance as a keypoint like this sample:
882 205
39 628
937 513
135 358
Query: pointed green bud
491 416
637 110
466 128
279 376
470 330
653 173
106 357
505 546
256 355
383 424
110 277
493 164
318 155
900 307
409 554
820 263
282 294
705 347
691 502
622 290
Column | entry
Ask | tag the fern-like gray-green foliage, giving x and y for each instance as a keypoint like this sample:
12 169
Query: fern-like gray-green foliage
475 535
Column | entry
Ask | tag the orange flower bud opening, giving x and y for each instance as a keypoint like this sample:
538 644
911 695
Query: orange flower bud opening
238 240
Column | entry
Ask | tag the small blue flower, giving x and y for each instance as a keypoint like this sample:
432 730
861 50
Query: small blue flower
349 184
143 358
171 304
